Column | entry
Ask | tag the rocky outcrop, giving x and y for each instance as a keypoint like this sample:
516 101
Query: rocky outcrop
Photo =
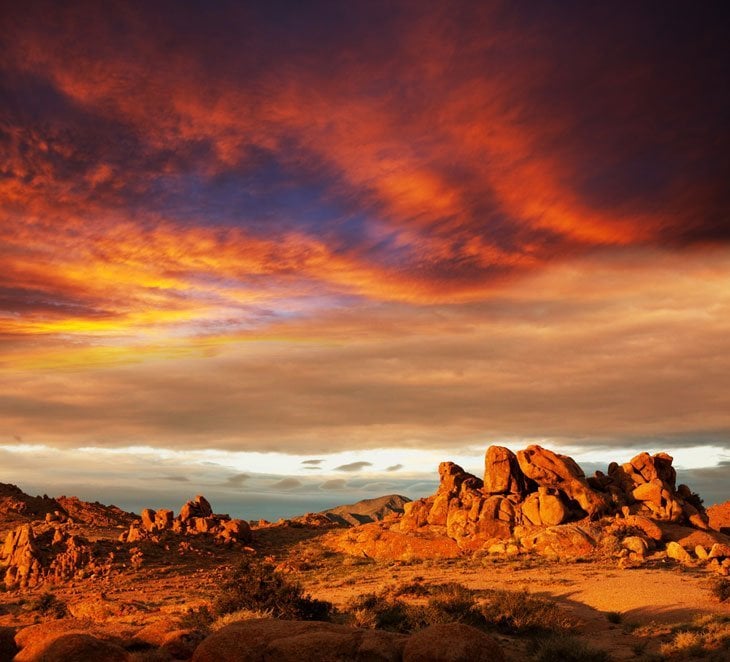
647 485
719 517
527 498
53 555
196 517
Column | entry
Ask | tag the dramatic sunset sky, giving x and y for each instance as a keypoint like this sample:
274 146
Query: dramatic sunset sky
294 254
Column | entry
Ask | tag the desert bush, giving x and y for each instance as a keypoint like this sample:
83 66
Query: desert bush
707 637
720 589
257 585
48 604
382 611
519 612
562 648
614 617
453 603
449 603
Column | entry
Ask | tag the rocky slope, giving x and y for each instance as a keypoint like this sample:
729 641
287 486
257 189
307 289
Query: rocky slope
367 510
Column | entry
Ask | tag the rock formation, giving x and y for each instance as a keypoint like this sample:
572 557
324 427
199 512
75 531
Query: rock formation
538 500
54 555
196 517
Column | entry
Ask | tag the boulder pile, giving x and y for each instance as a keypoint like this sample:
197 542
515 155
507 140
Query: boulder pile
53 555
541 501
196 517
537 488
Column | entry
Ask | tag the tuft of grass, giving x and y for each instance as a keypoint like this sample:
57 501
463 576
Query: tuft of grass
517 612
614 617
48 604
720 589
562 648
237 616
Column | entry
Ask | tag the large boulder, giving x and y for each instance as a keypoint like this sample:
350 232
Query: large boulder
549 469
75 647
292 641
719 517
502 473
452 642
197 507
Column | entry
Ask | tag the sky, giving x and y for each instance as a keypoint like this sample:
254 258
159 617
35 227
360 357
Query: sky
296 254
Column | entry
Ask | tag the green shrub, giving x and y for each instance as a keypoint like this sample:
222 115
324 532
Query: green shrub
258 586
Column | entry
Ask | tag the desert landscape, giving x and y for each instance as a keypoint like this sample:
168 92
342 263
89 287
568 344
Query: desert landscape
534 561
364 331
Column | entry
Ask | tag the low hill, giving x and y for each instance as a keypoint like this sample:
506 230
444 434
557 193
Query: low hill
367 510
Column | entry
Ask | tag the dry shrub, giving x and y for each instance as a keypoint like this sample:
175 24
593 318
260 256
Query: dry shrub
707 637
519 612
720 589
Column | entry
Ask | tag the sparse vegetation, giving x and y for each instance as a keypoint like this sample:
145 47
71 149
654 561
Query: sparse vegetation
518 612
256 585
707 637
